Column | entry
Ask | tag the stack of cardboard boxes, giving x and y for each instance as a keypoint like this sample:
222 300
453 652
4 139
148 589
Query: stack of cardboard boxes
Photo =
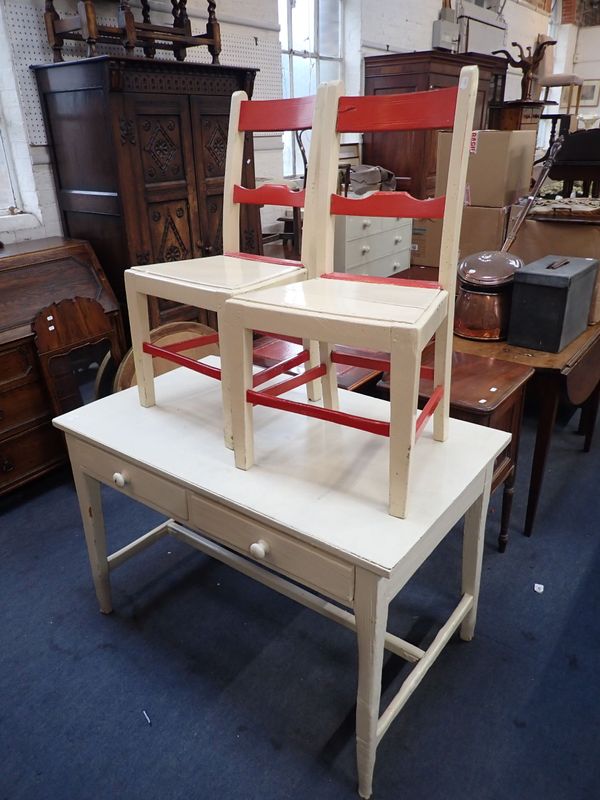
499 173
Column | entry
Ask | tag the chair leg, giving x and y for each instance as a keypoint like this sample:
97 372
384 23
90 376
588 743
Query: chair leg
137 305
235 342
225 392
404 382
329 380
442 373
313 389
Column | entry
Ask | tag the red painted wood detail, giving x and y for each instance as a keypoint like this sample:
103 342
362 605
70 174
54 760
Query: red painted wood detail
270 194
329 415
295 114
427 373
198 341
283 337
348 276
266 259
299 380
182 361
388 204
367 362
278 369
428 409
413 111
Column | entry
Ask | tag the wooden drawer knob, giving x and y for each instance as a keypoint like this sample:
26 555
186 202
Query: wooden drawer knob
397 239
6 465
259 549
366 223
120 479
366 248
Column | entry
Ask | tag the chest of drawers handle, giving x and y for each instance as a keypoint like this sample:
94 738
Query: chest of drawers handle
259 549
366 223
366 248
120 479
397 239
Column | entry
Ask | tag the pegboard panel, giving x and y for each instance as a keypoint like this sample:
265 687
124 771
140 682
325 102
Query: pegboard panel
25 23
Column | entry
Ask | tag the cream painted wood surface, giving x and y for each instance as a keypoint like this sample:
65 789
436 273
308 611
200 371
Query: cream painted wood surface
400 320
207 282
285 514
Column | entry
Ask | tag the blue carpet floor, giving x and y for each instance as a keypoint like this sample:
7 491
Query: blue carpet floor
251 696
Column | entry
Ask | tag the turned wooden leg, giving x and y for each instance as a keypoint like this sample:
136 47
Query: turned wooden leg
548 395
56 42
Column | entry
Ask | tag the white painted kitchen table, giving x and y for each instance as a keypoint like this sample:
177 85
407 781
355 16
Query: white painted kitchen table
313 508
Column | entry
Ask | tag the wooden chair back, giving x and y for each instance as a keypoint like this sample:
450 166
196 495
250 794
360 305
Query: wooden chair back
450 108
267 116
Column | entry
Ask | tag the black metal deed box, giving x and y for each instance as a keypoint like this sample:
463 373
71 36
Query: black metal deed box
551 302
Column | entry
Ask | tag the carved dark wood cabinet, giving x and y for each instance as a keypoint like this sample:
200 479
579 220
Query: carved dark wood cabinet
412 155
138 149
33 275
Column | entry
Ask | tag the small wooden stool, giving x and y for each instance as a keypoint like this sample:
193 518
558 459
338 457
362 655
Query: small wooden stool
488 392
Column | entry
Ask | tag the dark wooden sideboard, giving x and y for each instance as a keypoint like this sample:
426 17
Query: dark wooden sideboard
138 151
413 154
33 275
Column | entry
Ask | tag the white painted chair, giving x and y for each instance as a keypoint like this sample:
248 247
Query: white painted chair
208 282
395 316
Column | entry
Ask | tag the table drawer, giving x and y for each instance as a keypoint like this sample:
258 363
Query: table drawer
300 561
132 480
16 364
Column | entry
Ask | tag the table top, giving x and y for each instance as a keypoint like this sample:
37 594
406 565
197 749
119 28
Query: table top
313 480
538 359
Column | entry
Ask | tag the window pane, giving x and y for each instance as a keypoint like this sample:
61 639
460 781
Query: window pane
305 76
303 25
329 28
283 23
288 154
7 197
329 71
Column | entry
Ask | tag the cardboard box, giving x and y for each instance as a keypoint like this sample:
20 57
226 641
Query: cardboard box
538 238
499 171
482 229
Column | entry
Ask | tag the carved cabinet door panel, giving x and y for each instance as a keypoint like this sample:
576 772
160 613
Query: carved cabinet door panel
210 122
162 163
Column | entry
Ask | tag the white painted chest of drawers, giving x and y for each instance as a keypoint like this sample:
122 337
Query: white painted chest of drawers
372 245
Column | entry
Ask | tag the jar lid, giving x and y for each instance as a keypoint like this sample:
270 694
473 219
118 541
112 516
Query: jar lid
489 268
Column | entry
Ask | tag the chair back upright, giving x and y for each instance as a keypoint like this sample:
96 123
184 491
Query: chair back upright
253 116
450 108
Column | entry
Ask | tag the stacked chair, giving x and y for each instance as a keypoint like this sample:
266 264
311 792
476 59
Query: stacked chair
208 282
310 302
386 314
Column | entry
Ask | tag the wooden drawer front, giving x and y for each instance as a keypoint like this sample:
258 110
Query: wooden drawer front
22 404
383 267
309 566
403 226
30 454
16 364
359 227
138 483
371 248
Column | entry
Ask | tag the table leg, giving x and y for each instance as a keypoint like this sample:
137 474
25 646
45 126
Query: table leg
589 412
473 541
371 610
508 494
548 394
90 506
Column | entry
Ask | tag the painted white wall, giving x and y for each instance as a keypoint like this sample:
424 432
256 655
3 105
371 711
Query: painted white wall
586 62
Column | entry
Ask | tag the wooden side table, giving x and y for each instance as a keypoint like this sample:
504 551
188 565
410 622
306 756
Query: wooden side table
487 392
574 374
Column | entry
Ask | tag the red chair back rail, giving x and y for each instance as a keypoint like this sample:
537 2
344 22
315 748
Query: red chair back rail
412 111
182 361
269 195
294 114
389 204
267 259
348 276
